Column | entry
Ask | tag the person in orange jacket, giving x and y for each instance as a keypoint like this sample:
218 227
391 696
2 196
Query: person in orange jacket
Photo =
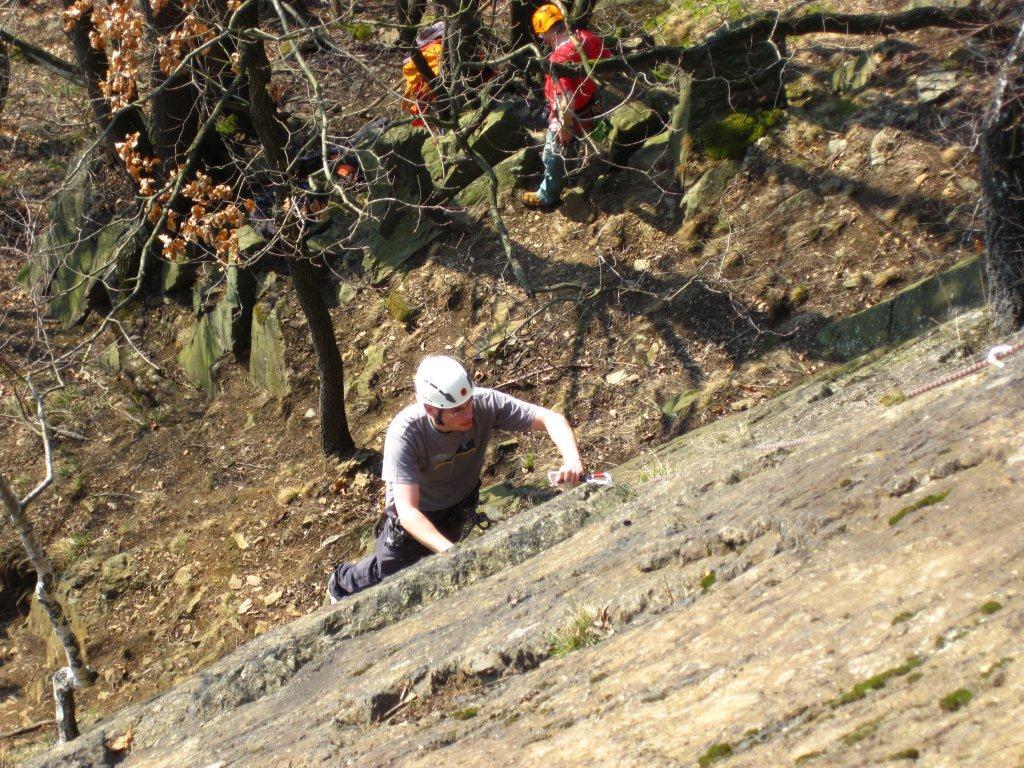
570 99
417 97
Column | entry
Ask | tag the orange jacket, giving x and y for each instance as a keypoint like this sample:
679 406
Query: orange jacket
417 89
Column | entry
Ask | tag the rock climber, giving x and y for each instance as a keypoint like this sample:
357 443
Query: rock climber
570 100
433 454
418 95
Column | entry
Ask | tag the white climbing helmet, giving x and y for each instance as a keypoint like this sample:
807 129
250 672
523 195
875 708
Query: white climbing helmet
442 382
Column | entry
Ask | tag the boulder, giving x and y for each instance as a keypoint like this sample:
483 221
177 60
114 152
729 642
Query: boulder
933 86
575 206
654 156
116 575
66 215
397 226
510 172
501 134
709 187
268 368
853 74
80 272
225 327
631 124
177 275
910 312
373 361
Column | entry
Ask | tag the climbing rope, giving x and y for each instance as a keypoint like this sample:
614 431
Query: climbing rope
995 358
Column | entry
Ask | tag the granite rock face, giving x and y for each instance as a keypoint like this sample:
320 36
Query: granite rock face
753 591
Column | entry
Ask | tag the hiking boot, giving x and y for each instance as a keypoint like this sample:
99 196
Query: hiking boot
334 592
533 200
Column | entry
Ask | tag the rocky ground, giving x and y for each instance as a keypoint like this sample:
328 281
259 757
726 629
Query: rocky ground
830 578
188 525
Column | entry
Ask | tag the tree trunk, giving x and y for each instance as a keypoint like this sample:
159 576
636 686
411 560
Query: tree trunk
93 65
1001 152
410 13
520 27
335 436
5 74
679 140
76 674
175 115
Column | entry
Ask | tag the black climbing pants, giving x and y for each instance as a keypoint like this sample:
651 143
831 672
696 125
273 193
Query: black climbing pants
395 549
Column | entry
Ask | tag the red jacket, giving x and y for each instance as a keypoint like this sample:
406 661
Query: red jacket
581 89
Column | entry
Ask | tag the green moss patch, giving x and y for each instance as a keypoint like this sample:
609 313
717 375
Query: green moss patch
729 138
876 682
905 754
860 733
708 581
895 397
991 607
465 714
903 617
714 753
958 699
921 503
808 757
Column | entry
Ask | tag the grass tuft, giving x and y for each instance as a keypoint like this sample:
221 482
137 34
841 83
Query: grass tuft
579 631
958 699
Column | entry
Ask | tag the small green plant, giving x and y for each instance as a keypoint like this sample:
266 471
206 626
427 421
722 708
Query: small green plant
714 753
360 30
583 627
653 467
895 397
398 307
68 475
991 607
921 503
69 549
876 682
958 699
228 126
464 714
178 544
708 582
529 462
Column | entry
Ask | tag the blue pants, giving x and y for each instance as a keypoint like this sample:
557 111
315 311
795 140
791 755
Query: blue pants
550 191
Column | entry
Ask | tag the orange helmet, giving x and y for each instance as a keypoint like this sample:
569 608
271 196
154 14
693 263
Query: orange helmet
546 16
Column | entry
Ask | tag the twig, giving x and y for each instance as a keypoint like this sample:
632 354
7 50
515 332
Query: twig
27 729
539 371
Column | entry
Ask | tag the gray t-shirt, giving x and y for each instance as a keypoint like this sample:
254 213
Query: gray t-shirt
446 465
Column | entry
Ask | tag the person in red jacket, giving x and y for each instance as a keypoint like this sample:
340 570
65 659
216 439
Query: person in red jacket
570 99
